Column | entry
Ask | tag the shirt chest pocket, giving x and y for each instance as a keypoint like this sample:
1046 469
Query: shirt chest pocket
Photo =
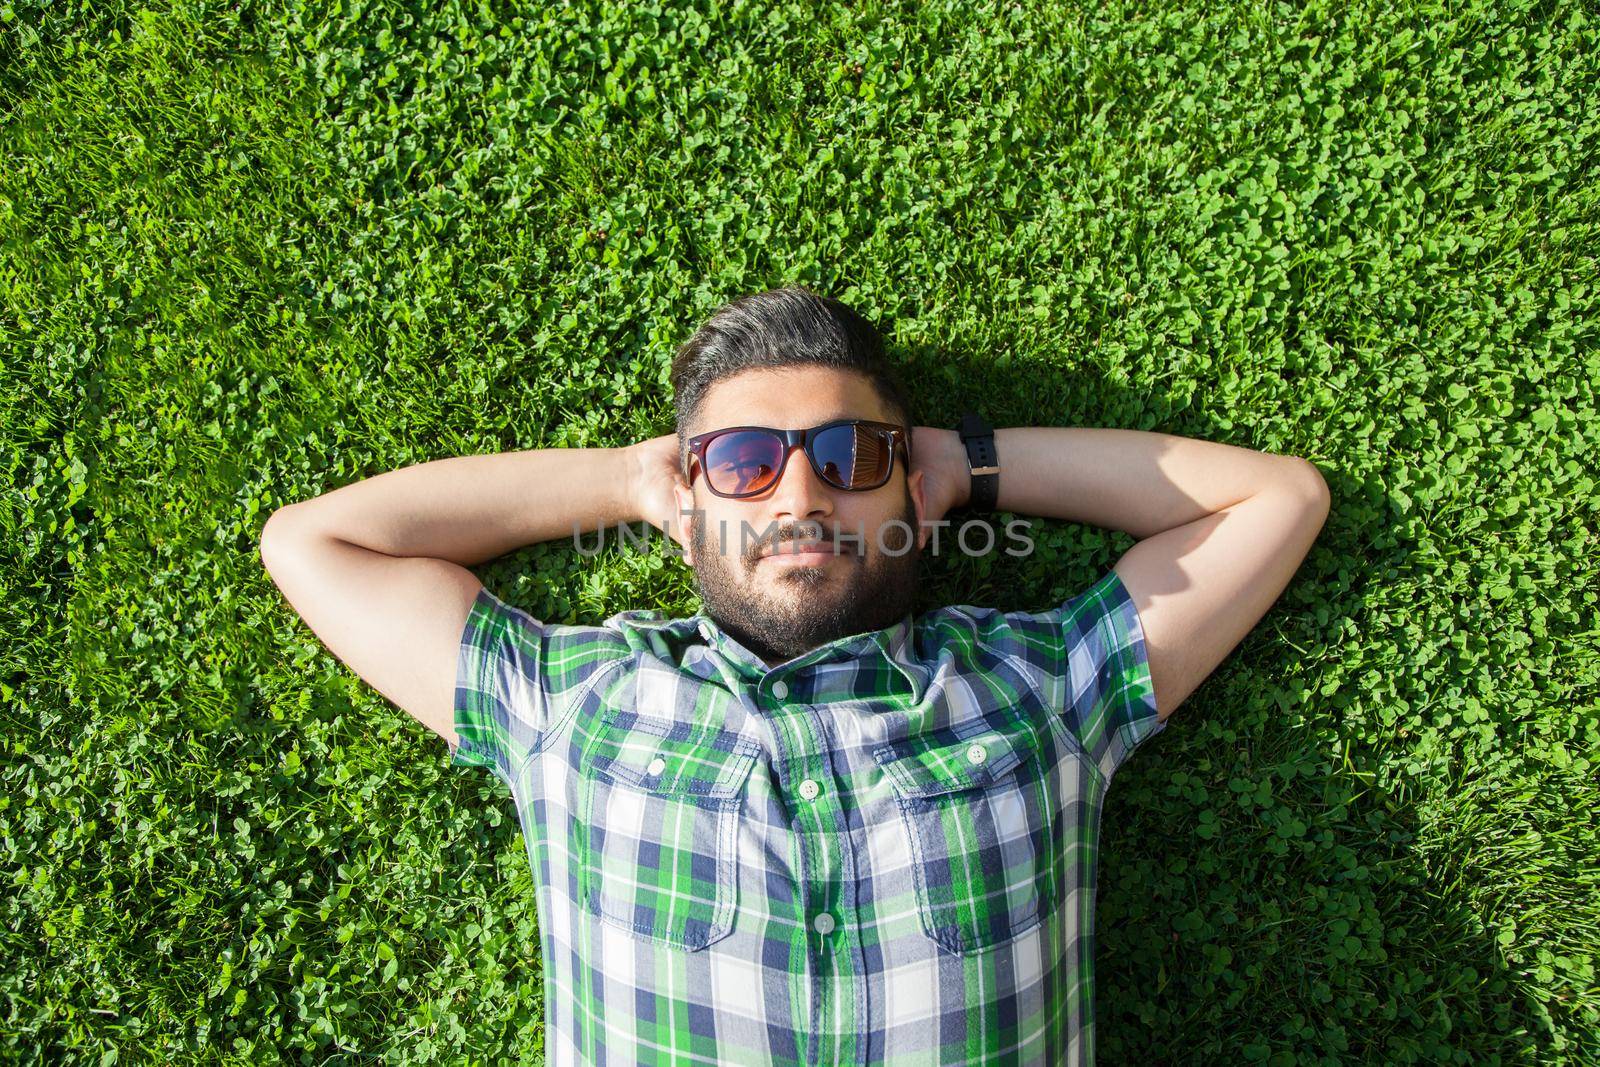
986 844
660 805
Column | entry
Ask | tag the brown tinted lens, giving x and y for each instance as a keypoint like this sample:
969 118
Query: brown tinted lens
852 456
745 461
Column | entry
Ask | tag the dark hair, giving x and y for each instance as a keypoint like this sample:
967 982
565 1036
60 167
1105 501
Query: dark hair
786 327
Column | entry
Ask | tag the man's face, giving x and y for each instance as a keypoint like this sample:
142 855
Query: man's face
776 602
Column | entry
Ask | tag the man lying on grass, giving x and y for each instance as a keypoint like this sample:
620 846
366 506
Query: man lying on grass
804 826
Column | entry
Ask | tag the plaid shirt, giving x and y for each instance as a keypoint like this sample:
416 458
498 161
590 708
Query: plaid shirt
881 851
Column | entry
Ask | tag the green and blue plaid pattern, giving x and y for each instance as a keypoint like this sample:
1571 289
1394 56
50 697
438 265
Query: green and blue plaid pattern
879 852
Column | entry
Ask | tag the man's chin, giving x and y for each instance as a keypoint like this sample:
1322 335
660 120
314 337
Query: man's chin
790 583
799 594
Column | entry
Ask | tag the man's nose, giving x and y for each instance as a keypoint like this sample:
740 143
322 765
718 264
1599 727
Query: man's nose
800 494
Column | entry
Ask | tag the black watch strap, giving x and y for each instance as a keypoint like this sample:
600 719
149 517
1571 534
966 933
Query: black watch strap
982 460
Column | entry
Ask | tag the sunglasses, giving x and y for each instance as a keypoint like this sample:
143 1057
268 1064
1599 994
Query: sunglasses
850 454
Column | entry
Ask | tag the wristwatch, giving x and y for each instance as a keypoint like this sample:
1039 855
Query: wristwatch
983 460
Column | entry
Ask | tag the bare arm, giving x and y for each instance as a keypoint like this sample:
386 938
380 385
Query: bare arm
378 569
1221 529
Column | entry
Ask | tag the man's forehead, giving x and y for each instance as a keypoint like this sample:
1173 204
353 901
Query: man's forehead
790 397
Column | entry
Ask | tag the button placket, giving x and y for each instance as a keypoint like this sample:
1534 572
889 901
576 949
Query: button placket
801 740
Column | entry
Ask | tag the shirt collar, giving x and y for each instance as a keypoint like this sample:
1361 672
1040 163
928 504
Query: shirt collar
893 644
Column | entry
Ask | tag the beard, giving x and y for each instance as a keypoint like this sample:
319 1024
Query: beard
835 600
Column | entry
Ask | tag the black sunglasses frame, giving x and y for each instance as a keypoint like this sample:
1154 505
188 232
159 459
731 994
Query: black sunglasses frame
900 439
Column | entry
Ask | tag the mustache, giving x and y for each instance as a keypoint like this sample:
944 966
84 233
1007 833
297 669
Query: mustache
807 536
809 533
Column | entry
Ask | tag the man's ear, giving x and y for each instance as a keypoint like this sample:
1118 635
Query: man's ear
914 486
681 522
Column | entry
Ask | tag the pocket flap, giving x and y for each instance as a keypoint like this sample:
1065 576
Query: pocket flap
942 761
662 758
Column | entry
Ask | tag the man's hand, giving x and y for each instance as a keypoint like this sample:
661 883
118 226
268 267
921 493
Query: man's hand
653 474
946 476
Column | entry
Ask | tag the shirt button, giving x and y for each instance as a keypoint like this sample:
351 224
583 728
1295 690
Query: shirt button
976 754
780 689
823 923
657 765
809 789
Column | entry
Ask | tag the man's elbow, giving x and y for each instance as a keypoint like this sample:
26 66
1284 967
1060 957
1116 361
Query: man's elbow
279 535
1308 478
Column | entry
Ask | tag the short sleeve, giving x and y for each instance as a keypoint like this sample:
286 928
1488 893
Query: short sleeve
1091 657
500 695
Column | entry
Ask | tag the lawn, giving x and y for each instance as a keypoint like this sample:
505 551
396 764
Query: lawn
256 251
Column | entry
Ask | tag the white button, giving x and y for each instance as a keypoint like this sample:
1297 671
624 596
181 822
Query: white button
809 789
823 923
780 689
976 754
657 765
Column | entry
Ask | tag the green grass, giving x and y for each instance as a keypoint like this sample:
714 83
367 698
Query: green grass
254 252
